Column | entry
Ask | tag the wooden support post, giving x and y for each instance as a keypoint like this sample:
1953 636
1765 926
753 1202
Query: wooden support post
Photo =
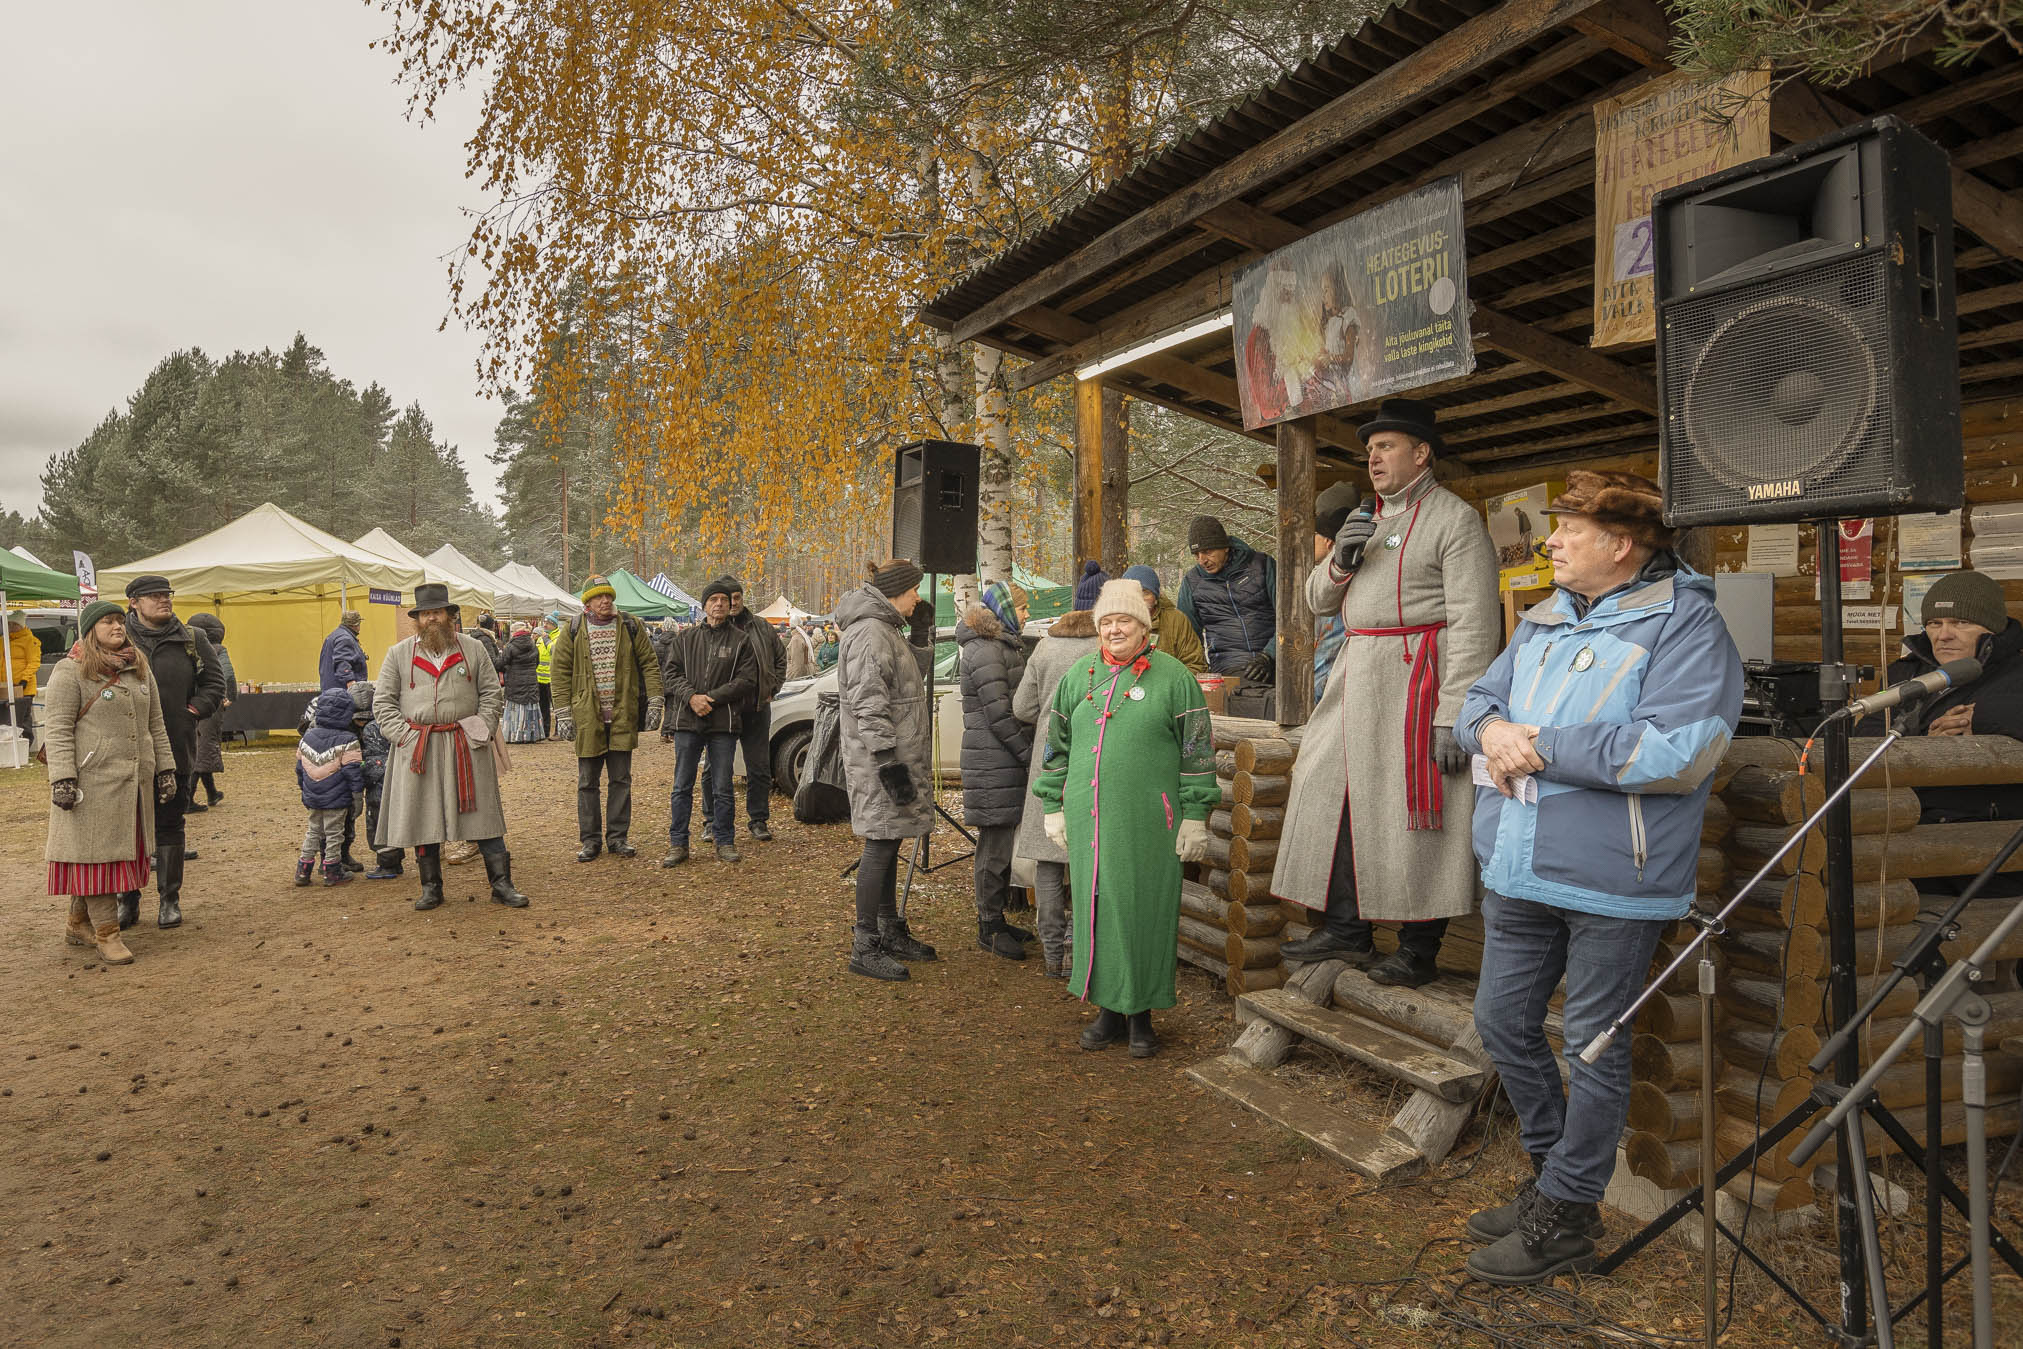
1088 471
1116 469
1296 448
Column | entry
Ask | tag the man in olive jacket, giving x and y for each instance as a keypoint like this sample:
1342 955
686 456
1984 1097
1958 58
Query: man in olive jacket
192 683
711 672
755 715
603 669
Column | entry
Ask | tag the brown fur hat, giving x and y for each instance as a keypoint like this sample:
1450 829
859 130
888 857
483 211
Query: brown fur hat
1628 503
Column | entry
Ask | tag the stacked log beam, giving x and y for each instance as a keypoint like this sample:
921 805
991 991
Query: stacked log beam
1773 1005
1229 923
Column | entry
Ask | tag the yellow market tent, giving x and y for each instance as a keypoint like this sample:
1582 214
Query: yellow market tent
279 585
462 593
508 598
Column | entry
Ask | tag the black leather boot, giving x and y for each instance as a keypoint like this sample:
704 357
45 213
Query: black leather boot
428 861
169 883
999 938
499 871
1325 943
1551 1238
1108 1028
1494 1224
899 941
129 908
869 957
1144 1044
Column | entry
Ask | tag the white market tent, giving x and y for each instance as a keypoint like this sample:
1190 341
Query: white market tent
510 599
27 556
279 585
462 593
784 610
535 582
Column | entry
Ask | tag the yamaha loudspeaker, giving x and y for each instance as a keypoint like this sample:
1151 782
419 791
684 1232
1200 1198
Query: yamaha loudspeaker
1808 359
934 484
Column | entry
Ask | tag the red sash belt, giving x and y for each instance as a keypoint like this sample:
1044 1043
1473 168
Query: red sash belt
1423 797
467 780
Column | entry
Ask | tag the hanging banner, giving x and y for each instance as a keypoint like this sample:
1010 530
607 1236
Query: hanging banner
87 574
1373 305
1857 551
1668 131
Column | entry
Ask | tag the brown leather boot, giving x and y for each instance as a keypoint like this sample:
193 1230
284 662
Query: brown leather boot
78 930
104 913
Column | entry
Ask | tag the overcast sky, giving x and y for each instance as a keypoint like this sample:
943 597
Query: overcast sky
219 174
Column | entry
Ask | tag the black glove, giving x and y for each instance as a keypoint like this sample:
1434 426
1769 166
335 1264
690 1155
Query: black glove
920 627
897 780
1354 536
1261 669
63 793
1448 756
165 786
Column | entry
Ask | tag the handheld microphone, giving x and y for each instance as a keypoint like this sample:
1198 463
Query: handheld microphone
1953 672
1352 557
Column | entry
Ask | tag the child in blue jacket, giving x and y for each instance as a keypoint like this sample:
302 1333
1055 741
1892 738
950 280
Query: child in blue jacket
329 766
386 861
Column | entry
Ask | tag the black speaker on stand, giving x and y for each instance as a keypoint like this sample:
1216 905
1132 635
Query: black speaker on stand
1808 370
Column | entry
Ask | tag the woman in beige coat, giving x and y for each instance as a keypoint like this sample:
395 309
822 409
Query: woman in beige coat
109 763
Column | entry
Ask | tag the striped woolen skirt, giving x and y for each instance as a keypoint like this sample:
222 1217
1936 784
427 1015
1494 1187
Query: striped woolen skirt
103 878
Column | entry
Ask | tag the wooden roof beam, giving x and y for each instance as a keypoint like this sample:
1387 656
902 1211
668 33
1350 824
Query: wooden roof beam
1575 364
1423 73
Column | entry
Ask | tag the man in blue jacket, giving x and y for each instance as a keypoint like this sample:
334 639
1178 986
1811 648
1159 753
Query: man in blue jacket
1230 595
342 662
1599 729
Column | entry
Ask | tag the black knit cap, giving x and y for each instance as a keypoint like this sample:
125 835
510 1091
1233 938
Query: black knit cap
896 577
725 586
1968 596
1205 531
148 585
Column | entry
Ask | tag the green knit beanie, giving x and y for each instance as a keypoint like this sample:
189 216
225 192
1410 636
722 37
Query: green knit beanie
94 611
1970 597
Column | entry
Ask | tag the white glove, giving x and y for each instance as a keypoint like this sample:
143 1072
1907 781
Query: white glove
1057 829
1191 843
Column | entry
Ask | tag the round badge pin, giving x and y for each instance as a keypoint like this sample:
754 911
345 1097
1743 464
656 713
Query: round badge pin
1396 540
1136 695
107 695
1583 659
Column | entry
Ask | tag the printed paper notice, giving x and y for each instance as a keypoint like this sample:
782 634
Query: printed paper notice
1855 617
1928 542
1773 548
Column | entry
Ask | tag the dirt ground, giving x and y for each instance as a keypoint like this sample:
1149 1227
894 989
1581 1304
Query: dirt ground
654 1109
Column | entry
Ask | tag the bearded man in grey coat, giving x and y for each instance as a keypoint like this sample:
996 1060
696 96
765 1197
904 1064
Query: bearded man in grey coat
438 702
1369 833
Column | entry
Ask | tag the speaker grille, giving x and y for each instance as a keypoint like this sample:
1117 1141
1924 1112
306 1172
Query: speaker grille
906 521
1777 401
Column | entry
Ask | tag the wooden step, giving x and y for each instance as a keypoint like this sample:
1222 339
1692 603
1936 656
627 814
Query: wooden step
1390 1052
1367 1151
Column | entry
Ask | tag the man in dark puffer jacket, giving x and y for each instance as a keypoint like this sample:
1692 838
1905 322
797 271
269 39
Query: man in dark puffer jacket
996 748
709 674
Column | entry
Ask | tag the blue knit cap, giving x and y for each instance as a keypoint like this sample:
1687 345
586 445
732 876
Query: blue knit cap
1091 584
1144 576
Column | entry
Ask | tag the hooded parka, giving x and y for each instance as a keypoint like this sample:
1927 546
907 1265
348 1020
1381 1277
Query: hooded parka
114 751
881 688
996 746
517 664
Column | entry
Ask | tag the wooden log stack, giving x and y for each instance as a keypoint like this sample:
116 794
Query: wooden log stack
1229 923
1773 1005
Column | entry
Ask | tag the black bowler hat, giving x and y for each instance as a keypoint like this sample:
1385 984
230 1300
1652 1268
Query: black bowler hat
431 595
148 585
1413 416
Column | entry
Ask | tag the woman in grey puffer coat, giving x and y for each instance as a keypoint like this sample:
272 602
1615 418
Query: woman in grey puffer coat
996 749
882 663
1072 637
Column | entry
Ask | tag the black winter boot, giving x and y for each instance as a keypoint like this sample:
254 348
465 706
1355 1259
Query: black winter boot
428 861
1403 969
1493 1224
499 871
1551 1238
895 937
386 866
1334 939
1108 1028
305 870
1144 1044
128 909
998 938
869 958
350 863
335 874
169 884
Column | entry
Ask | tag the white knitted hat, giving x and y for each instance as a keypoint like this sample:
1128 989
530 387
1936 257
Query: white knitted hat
1123 597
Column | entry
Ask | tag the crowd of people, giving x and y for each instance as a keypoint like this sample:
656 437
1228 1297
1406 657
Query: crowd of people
1582 747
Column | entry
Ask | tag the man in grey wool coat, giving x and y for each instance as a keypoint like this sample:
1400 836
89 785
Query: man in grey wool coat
1369 831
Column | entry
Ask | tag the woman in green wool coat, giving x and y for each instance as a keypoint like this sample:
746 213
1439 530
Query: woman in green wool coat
1128 786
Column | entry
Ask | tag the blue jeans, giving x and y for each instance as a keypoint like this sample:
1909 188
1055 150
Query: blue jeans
1526 947
717 814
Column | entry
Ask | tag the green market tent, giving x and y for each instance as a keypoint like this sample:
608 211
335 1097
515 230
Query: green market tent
1047 599
22 581
641 600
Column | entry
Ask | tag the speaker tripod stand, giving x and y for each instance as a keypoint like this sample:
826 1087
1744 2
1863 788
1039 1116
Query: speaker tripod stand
922 862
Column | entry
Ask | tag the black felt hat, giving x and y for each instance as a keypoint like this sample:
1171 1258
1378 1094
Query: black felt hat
1413 416
432 595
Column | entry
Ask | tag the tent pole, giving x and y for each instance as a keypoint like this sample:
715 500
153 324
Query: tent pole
7 659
